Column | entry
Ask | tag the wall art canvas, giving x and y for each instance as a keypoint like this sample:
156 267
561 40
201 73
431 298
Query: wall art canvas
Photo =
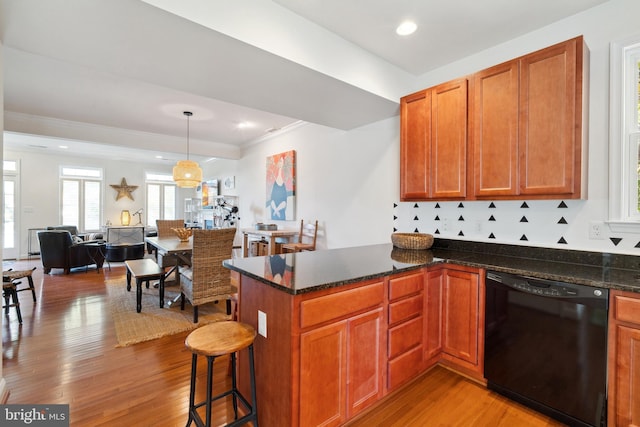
281 186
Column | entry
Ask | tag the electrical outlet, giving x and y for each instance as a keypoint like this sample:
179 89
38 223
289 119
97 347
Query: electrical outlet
262 323
596 230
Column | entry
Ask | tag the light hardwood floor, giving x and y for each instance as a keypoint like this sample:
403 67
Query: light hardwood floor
65 353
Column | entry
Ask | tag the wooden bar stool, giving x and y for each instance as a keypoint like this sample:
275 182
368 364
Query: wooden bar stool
214 340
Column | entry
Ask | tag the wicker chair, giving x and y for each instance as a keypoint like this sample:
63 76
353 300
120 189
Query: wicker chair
306 238
164 227
207 280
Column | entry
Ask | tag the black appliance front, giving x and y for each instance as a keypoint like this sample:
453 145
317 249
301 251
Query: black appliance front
546 346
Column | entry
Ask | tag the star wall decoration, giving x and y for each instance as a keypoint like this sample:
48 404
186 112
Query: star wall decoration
124 189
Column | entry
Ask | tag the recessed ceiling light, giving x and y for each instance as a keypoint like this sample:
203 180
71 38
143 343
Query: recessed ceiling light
245 125
406 28
64 147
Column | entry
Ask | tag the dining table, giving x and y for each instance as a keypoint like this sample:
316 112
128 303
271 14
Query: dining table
172 246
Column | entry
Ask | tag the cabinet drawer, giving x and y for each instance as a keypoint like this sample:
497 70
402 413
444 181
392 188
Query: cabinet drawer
407 285
405 336
405 309
404 367
334 306
627 309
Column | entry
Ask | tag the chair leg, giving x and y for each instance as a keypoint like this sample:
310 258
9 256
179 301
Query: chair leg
195 314
228 306
181 301
33 288
16 303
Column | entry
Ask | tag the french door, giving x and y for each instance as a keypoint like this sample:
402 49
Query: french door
10 218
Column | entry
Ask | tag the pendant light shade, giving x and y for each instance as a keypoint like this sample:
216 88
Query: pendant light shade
187 173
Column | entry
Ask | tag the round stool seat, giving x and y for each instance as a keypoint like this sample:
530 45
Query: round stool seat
219 338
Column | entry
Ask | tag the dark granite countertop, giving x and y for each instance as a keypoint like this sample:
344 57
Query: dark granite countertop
311 271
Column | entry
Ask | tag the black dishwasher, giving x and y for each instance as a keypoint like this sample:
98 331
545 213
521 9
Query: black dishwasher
546 346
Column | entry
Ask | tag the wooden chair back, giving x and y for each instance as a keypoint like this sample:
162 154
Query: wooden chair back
306 238
164 227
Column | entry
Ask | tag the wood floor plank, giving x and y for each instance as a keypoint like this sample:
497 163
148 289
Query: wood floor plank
65 353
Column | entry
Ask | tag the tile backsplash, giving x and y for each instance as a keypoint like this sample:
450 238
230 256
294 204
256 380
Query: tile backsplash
557 224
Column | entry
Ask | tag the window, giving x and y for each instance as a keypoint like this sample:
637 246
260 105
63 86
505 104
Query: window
10 224
81 197
161 197
624 141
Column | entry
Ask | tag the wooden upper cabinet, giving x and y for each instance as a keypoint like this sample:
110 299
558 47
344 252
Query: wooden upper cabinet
550 139
449 140
494 129
433 147
415 145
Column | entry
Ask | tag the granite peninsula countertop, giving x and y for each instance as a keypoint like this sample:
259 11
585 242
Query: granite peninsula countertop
297 273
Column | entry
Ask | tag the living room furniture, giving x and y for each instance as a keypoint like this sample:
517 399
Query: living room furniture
58 250
119 252
207 280
15 276
9 293
306 238
164 229
272 235
211 341
144 270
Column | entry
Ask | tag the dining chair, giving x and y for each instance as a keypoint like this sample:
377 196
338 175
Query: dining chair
306 238
207 280
164 227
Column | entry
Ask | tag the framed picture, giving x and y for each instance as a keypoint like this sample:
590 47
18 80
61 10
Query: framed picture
229 183
281 186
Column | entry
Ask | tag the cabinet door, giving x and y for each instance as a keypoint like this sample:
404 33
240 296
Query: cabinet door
461 315
449 140
323 375
433 315
415 140
627 377
365 360
494 130
550 120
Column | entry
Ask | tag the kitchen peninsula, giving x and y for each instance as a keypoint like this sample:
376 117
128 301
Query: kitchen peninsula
343 328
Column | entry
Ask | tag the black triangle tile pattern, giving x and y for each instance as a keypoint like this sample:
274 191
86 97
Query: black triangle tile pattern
395 217
524 205
615 240
415 218
437 218
395 205
492 205
460 233
460 205
524 219
492 236
460 218
437 206
492 218
562 221
524 238
395 229
416 230
637 245
437 231
416 206
563 205
562 241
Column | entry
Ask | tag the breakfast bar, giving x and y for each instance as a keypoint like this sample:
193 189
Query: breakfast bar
339 330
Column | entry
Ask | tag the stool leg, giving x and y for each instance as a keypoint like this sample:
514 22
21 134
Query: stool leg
234 387
6 295
33 288
192 388
254 399
14 294
210 360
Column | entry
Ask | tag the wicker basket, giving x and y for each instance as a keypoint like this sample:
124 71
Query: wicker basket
412 240
411 256
183 233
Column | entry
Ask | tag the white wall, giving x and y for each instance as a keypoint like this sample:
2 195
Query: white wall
349 180
40 188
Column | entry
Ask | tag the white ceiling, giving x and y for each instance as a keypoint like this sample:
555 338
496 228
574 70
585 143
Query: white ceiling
116 75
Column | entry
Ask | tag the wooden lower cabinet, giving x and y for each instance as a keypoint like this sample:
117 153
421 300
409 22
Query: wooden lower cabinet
624 359
454 311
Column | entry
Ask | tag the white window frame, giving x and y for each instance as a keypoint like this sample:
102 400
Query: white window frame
93 174
624 136
163 180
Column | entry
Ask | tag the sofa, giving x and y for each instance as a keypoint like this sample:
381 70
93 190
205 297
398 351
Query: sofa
60 249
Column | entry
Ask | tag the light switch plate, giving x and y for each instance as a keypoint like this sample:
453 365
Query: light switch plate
262 323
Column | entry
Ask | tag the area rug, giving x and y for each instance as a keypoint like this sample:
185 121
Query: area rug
154 322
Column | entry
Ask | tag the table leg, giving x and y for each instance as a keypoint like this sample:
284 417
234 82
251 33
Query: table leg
245 243
138 295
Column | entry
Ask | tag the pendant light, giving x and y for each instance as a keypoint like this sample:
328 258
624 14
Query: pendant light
186 173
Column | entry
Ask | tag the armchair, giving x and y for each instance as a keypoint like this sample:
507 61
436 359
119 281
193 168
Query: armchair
58 250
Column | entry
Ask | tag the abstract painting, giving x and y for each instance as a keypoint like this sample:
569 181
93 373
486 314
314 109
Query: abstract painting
281 186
